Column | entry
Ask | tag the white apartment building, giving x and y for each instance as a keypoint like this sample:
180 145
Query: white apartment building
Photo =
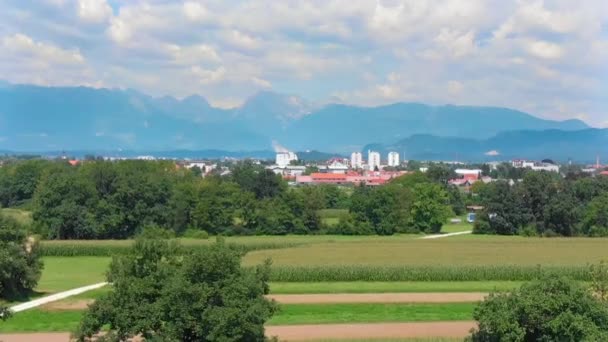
356 160
393 159
373 160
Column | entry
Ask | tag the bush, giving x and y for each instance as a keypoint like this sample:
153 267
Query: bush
161 293
549 309
192 233
20 264
348 225
528 231
155 232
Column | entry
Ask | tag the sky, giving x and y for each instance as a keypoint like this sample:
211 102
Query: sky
549 58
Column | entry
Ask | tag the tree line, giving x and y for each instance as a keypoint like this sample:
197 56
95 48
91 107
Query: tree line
544 203
120 199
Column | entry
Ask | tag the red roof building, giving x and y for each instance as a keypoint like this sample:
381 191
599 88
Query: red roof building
604 173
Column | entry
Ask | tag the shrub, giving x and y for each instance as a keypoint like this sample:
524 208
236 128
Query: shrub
156 232
192 233
549 309
20 264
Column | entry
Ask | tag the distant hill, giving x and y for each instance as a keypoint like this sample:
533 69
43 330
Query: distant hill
581 145
34 118
344 127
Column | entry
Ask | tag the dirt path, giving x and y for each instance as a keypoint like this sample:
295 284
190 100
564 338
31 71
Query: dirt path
318 332
371 331
330 298
439 236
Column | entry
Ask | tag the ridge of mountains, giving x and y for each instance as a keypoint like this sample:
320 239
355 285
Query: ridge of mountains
36 118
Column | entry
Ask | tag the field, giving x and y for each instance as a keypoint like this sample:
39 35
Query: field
341 265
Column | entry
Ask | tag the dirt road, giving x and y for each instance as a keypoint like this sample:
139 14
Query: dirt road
318 332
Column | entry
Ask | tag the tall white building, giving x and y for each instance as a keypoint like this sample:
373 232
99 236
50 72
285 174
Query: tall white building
356 160
284 158
373 160
393 159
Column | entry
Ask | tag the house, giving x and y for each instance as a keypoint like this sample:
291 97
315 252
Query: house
604 173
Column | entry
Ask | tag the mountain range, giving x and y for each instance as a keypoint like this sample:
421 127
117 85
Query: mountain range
35 118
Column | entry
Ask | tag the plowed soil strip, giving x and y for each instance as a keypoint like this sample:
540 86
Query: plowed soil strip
318 332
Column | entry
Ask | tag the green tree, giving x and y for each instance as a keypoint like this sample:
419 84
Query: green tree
595 217
20 263
456 200
430 208
440 173
549 309
561 215
162 293
504 212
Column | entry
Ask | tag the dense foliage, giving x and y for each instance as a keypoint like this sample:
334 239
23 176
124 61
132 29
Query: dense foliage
163 293
549 309
544 203
121 199
20 264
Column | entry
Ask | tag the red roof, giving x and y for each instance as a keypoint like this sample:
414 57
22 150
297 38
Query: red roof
328 176
73 162
604 173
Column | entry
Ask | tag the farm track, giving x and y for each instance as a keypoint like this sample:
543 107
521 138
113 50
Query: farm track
55 297
318 332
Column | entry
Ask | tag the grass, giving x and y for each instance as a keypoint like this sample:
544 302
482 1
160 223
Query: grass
37 320
391 287
41 321
370 313
22 216
456 227
64 273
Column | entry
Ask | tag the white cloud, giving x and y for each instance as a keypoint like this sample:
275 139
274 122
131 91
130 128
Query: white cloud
544 49
209 76
492 153
241 40
119 30
42 54
194 11
455 88
193 54
94 10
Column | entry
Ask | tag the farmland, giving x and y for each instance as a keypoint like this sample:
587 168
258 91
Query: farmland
339 264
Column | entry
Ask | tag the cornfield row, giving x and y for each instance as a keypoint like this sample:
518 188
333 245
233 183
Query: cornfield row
75 248
423 273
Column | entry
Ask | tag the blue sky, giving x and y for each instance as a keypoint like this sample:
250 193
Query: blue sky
549 58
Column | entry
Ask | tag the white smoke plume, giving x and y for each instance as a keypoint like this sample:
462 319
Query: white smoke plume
278 148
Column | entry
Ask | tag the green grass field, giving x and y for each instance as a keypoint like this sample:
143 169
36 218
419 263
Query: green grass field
64 273
39 320
370 313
